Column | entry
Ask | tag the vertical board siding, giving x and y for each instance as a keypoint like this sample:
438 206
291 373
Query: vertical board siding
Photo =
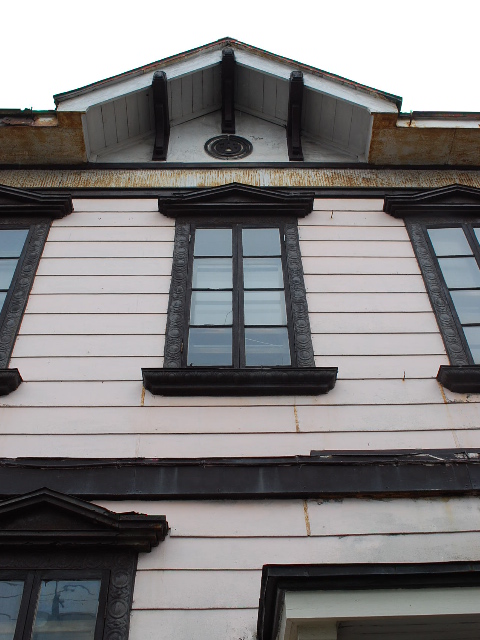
97 315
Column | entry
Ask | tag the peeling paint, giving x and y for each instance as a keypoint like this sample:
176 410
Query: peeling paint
261 177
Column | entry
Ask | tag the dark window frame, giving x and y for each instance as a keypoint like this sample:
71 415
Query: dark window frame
451 206
22 209
55 534
220 207
296 331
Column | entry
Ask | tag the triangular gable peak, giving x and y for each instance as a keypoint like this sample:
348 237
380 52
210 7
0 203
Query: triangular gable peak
20 202
237 200
455 199
48 517
227 87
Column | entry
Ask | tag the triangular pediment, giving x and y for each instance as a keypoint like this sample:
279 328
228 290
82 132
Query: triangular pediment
455 199
48 517
23 202
236 199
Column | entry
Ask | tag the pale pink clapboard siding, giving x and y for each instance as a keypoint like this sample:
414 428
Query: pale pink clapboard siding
97 314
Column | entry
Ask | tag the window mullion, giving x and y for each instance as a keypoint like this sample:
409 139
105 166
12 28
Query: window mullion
238 309
28 608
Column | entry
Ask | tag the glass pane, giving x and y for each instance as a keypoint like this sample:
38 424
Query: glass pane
211 307
261 242
10 598
262 273
449 242
265 307
7 269
267 347
213 242
467 304
477 233
3 295
212 273
210 347
472 335
66 609
460 273
11 242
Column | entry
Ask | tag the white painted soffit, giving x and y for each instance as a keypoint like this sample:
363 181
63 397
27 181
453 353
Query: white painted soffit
82 99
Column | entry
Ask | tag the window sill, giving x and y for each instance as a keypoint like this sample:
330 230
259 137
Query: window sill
10 379
460 379
258 381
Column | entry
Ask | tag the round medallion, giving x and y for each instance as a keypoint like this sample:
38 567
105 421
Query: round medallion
228 147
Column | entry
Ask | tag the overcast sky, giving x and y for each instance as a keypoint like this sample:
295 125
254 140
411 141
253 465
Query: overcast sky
424 50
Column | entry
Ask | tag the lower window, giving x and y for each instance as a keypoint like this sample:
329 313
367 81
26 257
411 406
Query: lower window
52 604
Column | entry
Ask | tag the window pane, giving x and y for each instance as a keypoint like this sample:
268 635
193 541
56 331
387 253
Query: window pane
212 273
3 295
262 273
11 242
10 598
267 347
265 307
211 307
467 304
210 347
449 242
477 233
472 335
7 269
261 242
213 242
460 273
67 609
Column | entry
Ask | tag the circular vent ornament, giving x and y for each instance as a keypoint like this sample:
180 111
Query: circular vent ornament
228 147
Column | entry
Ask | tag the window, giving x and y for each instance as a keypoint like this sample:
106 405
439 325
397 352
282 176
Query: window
239 301
67 567
25 219
52 604
444 228
238 317
458 255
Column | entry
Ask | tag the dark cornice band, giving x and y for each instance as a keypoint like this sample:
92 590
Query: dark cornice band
322 475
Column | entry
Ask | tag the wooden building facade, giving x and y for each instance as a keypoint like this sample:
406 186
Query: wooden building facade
239 359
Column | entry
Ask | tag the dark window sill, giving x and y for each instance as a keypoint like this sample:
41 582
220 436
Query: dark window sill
460 379
261 381
10 380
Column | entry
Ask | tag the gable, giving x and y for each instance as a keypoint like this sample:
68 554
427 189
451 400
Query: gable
333 115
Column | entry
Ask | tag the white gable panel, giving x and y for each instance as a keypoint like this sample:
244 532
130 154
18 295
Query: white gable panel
116 88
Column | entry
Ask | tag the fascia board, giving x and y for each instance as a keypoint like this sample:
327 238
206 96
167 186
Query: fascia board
117 88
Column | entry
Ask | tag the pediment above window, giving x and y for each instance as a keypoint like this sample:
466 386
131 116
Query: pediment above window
46 517
455 199
22 202
237 200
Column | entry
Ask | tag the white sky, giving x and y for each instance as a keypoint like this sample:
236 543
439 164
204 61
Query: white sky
423 50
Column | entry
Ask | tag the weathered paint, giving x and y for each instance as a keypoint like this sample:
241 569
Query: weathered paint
57 142
395 143
295 177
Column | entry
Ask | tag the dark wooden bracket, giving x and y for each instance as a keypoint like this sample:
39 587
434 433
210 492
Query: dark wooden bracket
228 90
162 119
10 379
294 122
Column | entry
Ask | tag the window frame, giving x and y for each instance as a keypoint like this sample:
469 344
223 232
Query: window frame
53 533
223 206
286 229
22 209
451 206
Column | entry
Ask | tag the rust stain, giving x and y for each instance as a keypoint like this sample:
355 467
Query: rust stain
145 178
307 518
142 398
297 423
